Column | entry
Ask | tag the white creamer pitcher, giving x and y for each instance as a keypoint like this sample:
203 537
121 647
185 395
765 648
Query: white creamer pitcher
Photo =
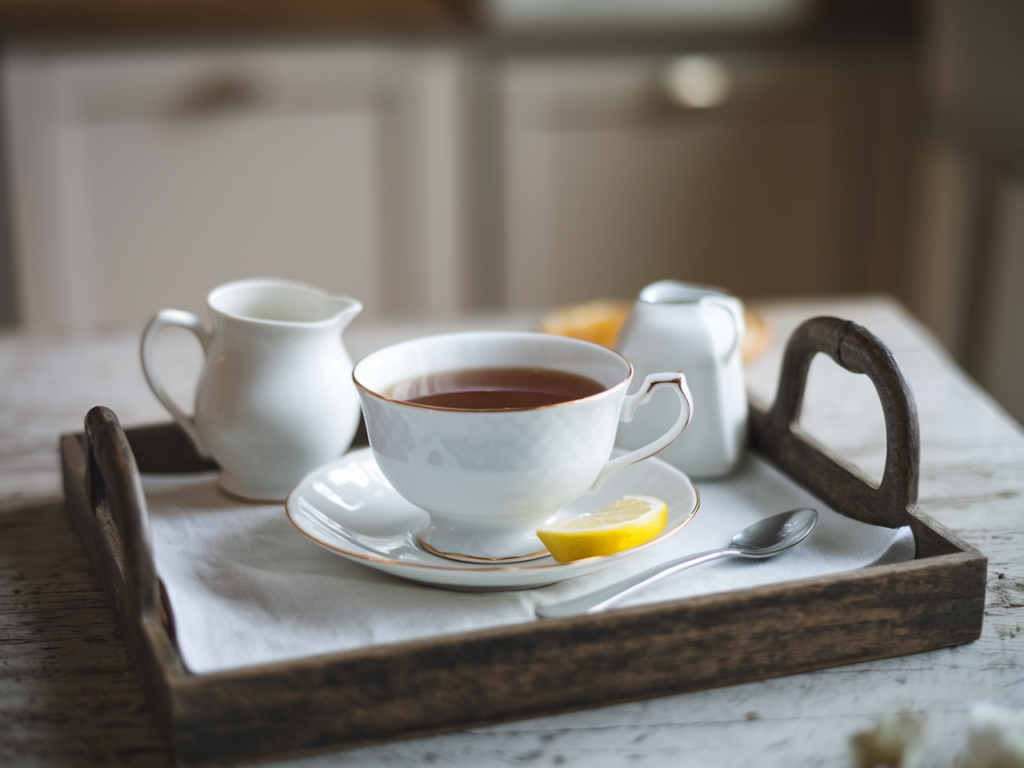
275 398
699 331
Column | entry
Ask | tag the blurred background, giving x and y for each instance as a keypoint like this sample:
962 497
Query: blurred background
437 158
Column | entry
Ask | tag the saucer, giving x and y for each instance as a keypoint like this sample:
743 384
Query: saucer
350 508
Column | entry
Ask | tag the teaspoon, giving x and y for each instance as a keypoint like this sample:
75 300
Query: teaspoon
764 538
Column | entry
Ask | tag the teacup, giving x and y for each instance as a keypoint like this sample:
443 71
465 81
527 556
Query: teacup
490 478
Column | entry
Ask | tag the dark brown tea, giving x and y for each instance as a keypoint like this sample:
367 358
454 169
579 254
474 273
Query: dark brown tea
495 389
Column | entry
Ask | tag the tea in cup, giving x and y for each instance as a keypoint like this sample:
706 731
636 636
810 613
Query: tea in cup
493 432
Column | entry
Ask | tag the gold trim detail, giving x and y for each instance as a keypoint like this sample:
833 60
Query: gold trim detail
386 398
498 569
482 560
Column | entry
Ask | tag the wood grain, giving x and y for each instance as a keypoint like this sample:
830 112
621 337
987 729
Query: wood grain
69 695
859 351
68 692
519 671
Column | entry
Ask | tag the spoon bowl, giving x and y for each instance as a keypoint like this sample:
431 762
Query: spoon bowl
775 534
765 538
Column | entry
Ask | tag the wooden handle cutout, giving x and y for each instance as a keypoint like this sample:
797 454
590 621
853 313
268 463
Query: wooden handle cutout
841 486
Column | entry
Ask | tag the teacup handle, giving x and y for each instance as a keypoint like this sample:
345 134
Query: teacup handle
167 318
678 382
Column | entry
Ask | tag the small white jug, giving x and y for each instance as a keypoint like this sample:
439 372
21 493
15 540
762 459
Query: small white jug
275 398
677 326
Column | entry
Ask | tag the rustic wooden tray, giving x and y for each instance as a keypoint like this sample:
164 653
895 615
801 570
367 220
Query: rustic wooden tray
471 678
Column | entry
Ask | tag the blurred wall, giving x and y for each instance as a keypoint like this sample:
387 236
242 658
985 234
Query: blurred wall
514 168
142 176
969 264
9 314
769 172
817 152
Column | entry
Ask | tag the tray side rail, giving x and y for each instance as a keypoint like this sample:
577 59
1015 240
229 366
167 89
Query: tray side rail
932 602
561 665
775 432
433 685
105 500
843 487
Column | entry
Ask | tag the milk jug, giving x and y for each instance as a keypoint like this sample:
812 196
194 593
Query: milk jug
699 331
275 398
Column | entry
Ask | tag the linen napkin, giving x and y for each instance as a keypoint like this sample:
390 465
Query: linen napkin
247 588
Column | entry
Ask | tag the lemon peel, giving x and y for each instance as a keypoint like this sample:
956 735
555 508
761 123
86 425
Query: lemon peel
629 522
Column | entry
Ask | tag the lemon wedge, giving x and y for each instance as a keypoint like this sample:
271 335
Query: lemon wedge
628 522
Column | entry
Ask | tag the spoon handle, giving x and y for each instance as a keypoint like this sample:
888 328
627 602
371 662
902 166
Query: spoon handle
600 599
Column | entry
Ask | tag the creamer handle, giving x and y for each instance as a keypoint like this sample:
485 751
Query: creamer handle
166 318
735 311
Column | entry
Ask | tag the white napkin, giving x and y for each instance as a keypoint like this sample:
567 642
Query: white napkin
247 588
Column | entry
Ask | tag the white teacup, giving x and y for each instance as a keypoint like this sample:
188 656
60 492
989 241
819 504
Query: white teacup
490 478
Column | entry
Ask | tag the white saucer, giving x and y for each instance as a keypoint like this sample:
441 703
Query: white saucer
349 507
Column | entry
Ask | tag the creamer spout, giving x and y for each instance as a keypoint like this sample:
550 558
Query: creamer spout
346 308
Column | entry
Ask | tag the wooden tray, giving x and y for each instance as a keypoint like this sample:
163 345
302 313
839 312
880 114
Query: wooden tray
471 678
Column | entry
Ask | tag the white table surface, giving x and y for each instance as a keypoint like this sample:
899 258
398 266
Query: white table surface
68 694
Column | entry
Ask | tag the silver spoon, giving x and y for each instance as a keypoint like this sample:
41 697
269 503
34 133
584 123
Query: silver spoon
764 538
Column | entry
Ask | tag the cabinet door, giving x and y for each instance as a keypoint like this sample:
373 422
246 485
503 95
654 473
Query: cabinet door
143 179
610 186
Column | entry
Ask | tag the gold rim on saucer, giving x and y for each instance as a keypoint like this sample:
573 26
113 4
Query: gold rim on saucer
482 560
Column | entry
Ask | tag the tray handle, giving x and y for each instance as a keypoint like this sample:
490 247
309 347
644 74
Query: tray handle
841 486
112 482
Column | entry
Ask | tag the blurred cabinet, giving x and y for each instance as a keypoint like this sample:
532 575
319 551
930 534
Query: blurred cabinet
795 183
142 178
970 249
428 179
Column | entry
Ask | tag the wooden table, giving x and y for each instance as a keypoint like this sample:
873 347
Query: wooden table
69 695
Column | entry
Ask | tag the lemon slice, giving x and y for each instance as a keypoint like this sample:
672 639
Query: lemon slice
628 522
